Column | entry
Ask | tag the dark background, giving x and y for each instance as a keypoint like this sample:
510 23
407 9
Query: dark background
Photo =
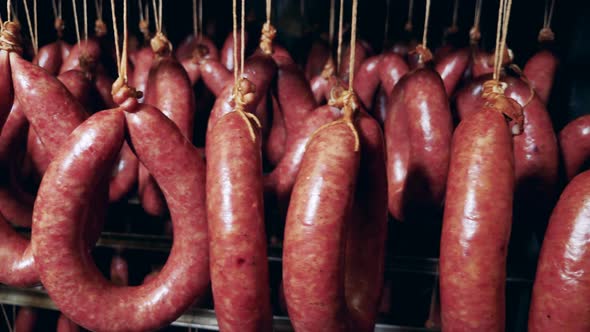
300 22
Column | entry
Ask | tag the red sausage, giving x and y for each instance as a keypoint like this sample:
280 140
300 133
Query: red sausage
363 50
367 230
279 183
66 325
215 76
119 271
6 90
235 213
561 293
50 58
575 145
142 64
191 43
451 68
274 148
418 131
169 89
476 225
26 319
64 195
16 205
315 233
317 58
392 68
227 51
540 72
483 62
366 80
83 56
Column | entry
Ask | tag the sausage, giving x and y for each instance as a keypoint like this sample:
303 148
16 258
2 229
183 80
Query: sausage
119 271
199 51
279 183
575 146
315 233
367 230
26 319
50 57
235 213
274 148
169 89
64 195
316 59
362 51
16 205
259 69
142 64
17 266
215 76
366 80
540 71
191 43
84 56
321 87
483 62
392 68
418 131
66 325
536 152
560 300
476 224
103 84
451 68
227 51
468 99
6 89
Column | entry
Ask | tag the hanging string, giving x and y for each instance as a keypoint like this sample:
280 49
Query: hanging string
158 15
546 34
268 31
424 54
76 20
426 19
58 23
195 28
386 28
116 36
409 26
123 95
235 27
351 61
159 43
100 28
474 33
85 9
268 10
340 23
144 20
201 31
8 9
454 28
32 28
331 27
501 52
242 39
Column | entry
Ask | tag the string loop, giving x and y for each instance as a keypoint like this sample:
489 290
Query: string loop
10 37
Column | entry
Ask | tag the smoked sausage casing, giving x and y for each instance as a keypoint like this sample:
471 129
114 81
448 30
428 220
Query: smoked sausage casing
235 212
561 293
63 203
476 224
540 71
315 234
574 140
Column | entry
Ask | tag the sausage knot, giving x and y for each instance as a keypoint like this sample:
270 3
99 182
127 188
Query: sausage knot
100 28
10 37
329 69
546 35
200 53
424 54
243 94
59 26
161 45
124 95
266 38
474 35
144 27
493 94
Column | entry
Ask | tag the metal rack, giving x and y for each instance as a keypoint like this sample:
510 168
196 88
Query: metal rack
205 318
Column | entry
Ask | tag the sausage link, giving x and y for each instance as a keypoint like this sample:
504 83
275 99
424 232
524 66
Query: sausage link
50 58
192 52
142 63
540 72
235 213
575 146
418 135
362 51
274 148
187 47
227 51
366 80
215 76
6 90
169 89
451 68
367 230
26 319
316 59
64 195
561 293
315 233
84 55
16 205
392 68
66 325
476 225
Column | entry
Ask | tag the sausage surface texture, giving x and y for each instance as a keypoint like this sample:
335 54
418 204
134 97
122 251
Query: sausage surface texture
63 205
561 293
476 225
418 131
540 71
235 212
574 140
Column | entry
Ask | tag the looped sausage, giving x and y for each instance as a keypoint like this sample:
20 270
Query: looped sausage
62 207
476 224
560 300
169 90
418 131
